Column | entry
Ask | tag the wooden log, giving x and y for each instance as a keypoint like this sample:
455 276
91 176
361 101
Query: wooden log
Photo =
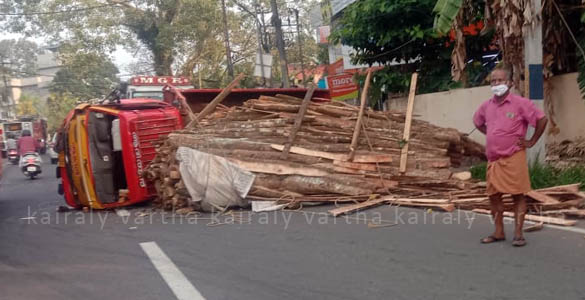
541 197
571 212
355 207
318 185
278 168
360 158
174 175
357 166
358 125
213 104
338 169
535 218
443 207
535 227
569 187
408 122
298 120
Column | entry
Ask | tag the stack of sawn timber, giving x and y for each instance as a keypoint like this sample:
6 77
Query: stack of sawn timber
318 165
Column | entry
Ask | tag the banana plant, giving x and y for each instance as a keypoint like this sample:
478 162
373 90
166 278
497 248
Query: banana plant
446 11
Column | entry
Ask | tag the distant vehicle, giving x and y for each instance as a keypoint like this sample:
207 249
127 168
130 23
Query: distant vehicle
50 149
151 87
13 156
104 149
37 126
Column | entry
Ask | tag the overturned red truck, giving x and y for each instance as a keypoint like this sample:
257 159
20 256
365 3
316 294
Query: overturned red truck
117 141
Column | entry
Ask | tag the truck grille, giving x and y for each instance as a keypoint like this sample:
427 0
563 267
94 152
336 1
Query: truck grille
150 131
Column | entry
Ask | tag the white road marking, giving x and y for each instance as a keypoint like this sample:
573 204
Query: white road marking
566 228
179 284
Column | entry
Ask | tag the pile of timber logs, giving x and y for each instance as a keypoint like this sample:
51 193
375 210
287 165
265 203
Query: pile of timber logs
309 156
566 153
320 164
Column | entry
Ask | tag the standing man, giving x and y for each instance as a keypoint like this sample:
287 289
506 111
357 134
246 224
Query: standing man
504 120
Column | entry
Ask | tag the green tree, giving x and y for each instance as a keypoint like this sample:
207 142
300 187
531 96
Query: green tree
58 105
398 33
18 57
85 76
98 26
29 105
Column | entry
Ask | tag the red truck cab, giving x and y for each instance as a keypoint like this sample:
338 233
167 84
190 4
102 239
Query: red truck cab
104 149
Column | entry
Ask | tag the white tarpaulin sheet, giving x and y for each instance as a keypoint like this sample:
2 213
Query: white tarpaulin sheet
213 181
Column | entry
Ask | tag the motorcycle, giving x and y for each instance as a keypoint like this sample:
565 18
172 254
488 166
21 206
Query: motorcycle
30 164
13 156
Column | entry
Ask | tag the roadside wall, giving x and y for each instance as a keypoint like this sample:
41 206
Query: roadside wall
455 108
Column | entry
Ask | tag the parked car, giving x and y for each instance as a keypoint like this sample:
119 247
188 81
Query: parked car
52 153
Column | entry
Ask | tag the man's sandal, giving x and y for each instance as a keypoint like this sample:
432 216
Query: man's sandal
491 239
519 242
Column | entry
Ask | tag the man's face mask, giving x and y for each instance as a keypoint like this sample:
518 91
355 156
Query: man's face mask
499 89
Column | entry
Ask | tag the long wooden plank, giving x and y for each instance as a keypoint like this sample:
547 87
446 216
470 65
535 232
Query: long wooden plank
408 122
540 197
444 207
357 166
209 108
535 218
278 169
358 158
298 120
568 187
358 125
355 207
569 212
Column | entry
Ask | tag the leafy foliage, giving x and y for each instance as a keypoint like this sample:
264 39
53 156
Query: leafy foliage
85 76
58 105
399 34
29 105
17 54
98 26
446 12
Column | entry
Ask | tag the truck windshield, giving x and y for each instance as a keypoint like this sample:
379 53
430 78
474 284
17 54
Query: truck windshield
158 95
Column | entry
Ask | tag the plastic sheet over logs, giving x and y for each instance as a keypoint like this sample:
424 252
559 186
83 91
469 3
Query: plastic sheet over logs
212 181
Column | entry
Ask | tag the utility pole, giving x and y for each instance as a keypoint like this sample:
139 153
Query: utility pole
299 41
276 22
228 54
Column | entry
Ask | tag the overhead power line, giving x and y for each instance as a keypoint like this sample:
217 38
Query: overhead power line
80 9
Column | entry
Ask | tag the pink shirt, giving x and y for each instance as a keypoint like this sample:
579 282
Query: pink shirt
506 123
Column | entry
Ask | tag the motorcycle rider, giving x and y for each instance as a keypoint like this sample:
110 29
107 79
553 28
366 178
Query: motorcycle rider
26 143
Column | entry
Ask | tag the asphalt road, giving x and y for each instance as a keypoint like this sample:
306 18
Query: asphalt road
280 255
